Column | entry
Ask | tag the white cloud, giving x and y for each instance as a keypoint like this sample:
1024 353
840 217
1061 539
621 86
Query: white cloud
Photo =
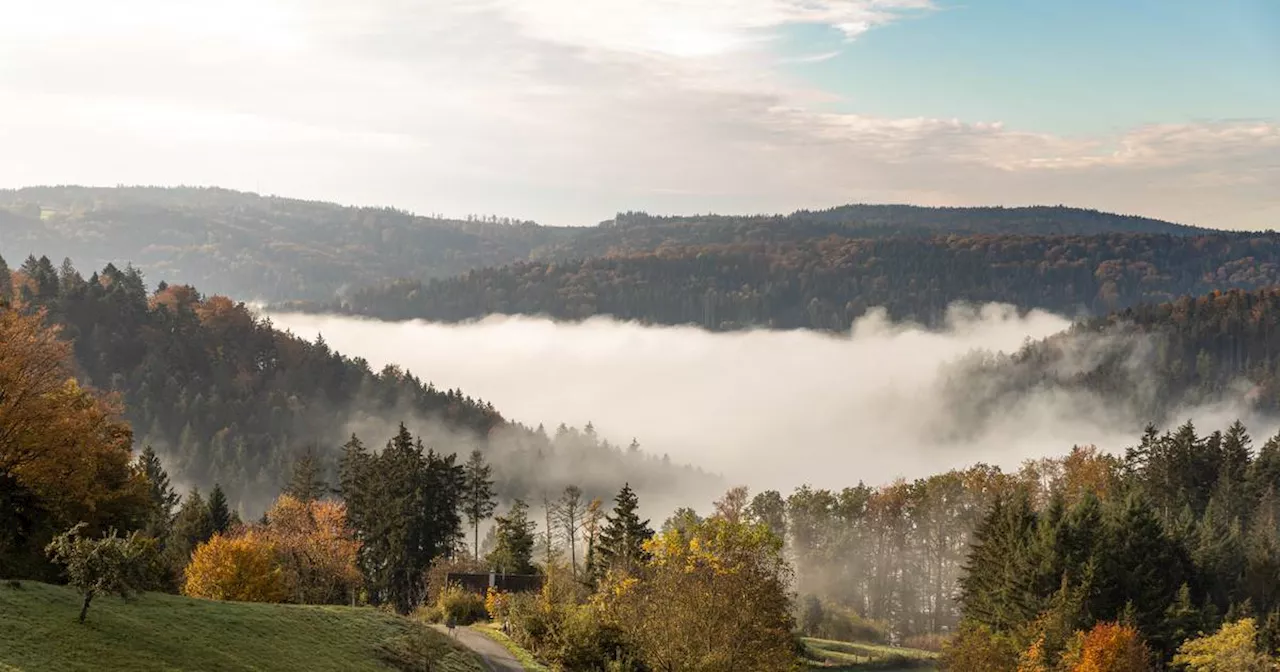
563 111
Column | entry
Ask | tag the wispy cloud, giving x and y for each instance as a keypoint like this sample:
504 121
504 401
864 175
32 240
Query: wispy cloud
565 111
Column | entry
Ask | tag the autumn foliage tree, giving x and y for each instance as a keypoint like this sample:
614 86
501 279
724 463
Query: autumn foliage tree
303 553
715 598
1107 647
1233 648
65 456
315 549
239 567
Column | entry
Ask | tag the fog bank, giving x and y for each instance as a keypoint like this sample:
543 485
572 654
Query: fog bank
769 409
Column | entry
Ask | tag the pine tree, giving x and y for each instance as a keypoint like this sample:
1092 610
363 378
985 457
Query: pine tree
219 511
163 497
513 549
998 589
624 534
191 527
306 483
478 497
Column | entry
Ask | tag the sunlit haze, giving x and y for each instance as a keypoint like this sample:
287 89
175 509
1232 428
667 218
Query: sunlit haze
566 112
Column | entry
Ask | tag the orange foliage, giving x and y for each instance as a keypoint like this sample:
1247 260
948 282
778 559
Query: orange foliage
242 568
1108 647
63 442
315 548
176 297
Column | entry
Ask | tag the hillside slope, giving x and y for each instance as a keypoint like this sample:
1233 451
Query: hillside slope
225 397
828 284
1151 361
277 249
39 632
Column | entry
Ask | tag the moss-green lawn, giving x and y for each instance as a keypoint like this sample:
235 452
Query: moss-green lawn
38 632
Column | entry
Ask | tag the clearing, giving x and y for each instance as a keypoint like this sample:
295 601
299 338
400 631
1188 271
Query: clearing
825 654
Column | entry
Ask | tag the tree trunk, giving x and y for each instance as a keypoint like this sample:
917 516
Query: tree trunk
84 608
477 529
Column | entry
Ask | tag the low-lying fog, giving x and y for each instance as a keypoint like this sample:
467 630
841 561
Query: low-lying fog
769 409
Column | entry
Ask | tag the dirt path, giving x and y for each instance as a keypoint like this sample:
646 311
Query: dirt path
495 656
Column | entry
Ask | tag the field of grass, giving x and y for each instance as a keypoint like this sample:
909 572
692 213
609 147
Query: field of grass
824 654
38 631
492 631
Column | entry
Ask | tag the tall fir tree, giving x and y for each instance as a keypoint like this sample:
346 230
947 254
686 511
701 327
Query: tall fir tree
163 498
621 545
478 496
306 483
513 550
219 511
191 527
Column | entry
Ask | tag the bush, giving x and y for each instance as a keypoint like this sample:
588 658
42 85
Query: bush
826 621
462 606
497 603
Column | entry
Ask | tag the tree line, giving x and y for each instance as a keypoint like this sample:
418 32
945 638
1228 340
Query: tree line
828 283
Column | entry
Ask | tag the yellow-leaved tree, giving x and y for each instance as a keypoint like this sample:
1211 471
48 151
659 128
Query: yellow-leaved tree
241 567
304 553
714 597
1233 648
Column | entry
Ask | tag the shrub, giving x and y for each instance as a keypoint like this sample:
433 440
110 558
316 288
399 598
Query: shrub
827 621
463 606
497 603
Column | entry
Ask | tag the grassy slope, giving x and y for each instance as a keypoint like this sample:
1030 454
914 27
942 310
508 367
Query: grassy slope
846 656
38 631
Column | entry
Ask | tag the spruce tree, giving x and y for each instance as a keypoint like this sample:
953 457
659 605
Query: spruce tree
163 498
621 545
998 589
191 527
513 551
478 497
306 483
219 511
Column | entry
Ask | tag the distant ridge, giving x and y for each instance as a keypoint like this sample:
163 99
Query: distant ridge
272 248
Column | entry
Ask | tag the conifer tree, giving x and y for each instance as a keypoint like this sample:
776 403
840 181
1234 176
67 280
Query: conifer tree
622 539
163 497
513 550
478 496
306 484
191 527
219 512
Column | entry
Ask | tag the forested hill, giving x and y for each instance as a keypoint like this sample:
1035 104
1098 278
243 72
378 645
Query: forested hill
632 232
280 249
829 283
250 246
1148 361
226 398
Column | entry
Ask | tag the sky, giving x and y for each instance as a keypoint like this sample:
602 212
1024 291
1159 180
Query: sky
566 111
